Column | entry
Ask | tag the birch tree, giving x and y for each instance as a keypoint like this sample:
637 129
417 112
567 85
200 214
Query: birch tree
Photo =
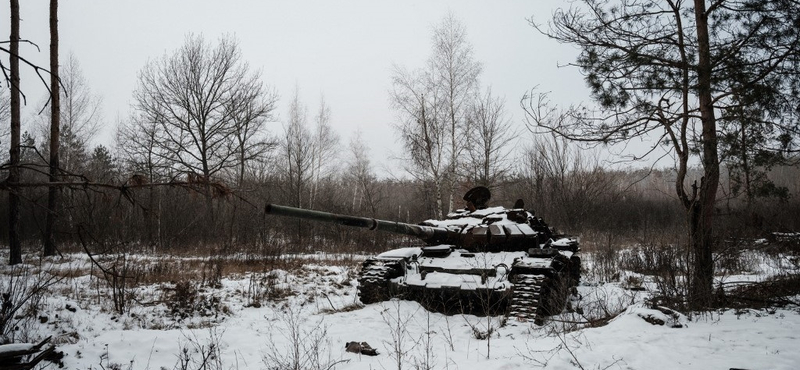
456 73
421 128
366 194
325 143
297 153
433 103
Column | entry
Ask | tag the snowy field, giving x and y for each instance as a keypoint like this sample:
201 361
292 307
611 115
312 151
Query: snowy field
303 317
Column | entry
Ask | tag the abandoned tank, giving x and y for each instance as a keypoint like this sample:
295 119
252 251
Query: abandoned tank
478 260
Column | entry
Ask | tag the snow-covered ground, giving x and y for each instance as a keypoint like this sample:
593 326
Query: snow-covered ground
306 316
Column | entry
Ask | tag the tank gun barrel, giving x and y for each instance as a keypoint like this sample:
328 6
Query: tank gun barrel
427 233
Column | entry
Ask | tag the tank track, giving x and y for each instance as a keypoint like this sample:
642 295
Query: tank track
526 303
373 280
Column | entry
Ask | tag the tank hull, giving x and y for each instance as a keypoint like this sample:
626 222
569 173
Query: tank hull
527 285
479 260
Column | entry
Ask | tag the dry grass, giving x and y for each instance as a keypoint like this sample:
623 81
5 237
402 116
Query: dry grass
777 291
171 269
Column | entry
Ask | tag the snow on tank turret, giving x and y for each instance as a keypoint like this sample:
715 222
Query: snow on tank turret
479 260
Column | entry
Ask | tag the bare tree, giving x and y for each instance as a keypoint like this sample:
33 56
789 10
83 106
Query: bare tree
456 73
141 155
55 110
138 141
422 130
433 105
73 122
79 117
250 113
190 95
324 143
491 136
297 157
566 183
366 195
296 153
15 248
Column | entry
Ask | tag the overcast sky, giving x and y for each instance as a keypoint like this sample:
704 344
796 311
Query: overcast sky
344 50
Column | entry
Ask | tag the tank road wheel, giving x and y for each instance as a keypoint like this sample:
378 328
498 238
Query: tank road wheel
373 280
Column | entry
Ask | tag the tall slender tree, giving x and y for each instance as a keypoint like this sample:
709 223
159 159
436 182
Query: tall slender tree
55 114
79 117
138 140
366 194
456 74
14 243
423 129
325 143
296 159
297 153
443 91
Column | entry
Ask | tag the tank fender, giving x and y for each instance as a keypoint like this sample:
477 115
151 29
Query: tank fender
402 253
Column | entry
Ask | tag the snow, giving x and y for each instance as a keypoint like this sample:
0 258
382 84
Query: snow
722 341
462 218
717 341
563 242
320 308
401 252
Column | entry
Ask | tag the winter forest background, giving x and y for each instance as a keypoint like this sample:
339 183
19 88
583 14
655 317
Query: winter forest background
208 143
679 174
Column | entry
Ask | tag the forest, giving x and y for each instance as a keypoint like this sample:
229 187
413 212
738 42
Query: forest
201 154
208 144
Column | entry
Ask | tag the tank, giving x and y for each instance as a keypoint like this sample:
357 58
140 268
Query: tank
479 260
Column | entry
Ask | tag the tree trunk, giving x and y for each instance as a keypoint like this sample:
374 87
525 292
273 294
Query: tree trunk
453 157
437 189
242 156
701 213
210 216
14 245
149 218
55 133
746 169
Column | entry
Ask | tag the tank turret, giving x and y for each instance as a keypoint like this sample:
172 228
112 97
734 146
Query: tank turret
481 230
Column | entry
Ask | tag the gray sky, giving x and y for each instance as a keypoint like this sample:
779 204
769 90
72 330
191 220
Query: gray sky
344 50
